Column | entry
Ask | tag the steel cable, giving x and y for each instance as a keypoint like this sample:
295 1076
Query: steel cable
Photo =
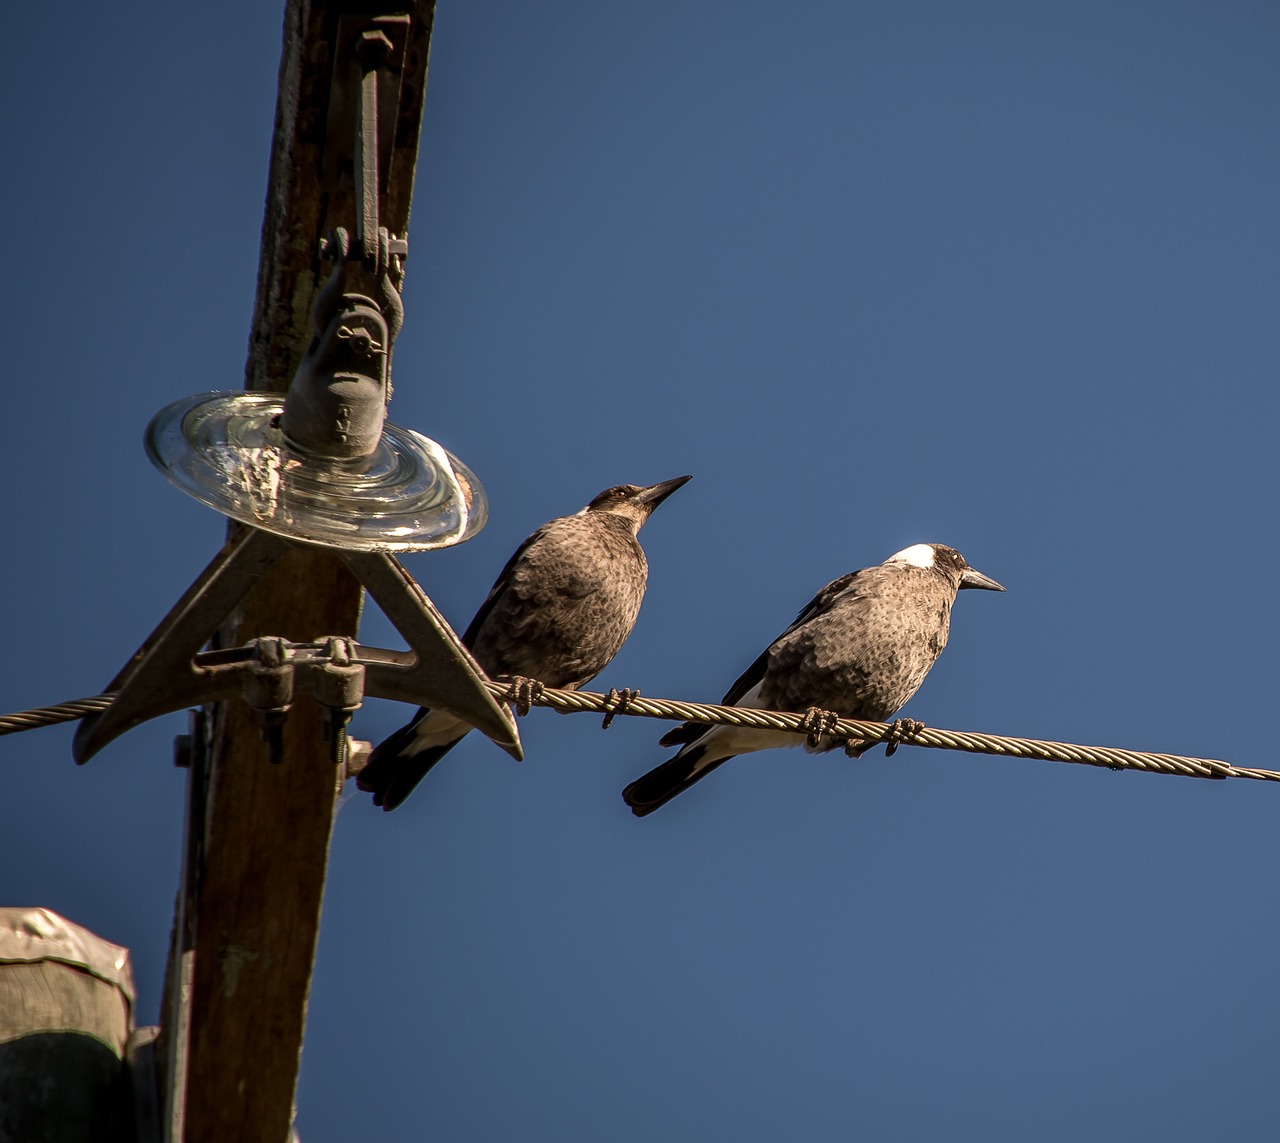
632 703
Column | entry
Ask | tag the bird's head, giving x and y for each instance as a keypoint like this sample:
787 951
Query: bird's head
635 502
947 562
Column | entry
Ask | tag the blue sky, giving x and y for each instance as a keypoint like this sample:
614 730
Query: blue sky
996 275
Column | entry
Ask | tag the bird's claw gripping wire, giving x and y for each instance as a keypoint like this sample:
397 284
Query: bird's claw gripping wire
616 702
900 730
524 693
817 723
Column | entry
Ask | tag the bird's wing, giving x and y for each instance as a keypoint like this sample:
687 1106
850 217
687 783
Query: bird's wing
752 676
816 606
692 731
498 589
824 599
749 678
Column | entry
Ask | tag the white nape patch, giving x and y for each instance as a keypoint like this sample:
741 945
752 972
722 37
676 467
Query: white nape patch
918 556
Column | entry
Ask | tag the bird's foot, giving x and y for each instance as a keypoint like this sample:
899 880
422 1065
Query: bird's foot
616 702
901 730
816 723
524 693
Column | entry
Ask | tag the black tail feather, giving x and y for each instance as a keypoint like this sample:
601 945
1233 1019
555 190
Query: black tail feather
392 771
656 788
685 732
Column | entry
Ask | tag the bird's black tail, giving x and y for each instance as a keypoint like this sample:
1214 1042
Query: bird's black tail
656 788
394 769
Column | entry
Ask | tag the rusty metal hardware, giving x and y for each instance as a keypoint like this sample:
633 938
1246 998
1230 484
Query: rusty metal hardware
333 419
337 400
169 671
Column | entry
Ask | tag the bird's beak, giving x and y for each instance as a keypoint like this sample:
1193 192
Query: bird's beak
973 578
655 494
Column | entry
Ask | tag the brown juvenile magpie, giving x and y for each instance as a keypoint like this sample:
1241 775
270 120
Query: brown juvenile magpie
559 612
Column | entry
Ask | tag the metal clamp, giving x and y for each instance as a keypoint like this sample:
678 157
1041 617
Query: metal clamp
169 671
337 399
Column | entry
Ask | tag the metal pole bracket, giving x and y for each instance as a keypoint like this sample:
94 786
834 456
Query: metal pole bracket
169 671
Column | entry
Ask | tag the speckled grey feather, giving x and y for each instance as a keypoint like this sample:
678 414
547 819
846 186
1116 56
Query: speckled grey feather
861 648
867 646
567 604
558 613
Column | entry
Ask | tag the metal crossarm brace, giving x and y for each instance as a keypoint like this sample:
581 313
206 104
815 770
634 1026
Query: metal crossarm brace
168 673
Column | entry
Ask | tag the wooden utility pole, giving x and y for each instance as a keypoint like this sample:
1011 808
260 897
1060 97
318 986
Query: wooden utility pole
258 844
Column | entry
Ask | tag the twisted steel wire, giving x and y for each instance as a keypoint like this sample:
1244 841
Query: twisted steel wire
632 703
972 743
51 715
